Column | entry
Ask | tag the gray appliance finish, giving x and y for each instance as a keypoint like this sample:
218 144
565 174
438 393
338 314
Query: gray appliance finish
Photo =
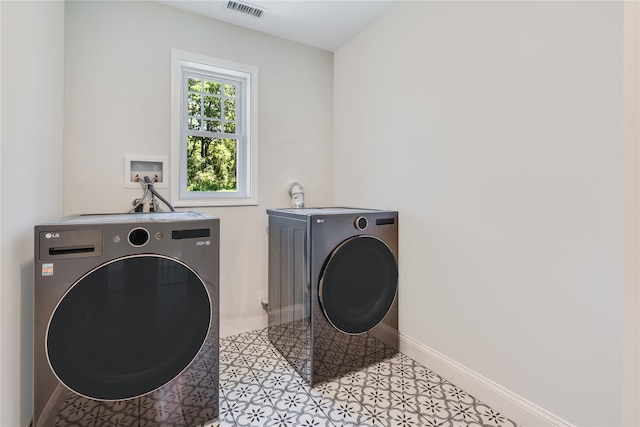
333 300
126 320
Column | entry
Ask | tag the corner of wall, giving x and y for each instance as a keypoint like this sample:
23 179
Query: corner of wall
508 403
631 291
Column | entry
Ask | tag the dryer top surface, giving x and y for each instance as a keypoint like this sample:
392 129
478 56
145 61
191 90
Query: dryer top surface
115 218
322 211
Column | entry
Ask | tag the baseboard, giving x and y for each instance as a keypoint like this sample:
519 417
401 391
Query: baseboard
234 326
386 334
511 405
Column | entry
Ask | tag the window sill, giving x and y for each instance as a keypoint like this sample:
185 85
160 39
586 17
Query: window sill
195 203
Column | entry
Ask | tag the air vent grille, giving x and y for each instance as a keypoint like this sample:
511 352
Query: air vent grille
245 8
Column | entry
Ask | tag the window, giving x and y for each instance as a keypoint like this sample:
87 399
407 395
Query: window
214 138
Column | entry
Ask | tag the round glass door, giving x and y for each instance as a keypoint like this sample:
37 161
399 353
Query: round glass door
128 327
358 284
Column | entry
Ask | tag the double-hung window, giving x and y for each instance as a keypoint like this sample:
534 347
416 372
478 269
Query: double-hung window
214 138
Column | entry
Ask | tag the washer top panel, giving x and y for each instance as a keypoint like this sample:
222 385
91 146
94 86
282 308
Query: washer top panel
308 212
132 217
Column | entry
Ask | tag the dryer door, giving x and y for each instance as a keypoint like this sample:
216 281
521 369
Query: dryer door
128 327
358 284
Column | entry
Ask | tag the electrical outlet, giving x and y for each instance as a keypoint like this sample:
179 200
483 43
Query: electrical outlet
137 167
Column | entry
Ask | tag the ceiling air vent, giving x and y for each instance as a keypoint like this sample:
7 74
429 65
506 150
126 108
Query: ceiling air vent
245 8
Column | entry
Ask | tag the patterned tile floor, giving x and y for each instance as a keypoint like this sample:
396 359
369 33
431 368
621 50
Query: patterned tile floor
259 388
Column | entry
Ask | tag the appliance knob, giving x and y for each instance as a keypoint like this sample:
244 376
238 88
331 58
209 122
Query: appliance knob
361 223
138 237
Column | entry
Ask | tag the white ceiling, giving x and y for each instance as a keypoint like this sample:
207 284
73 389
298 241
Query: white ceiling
325 24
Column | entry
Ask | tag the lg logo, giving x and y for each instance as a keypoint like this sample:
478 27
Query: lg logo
52 235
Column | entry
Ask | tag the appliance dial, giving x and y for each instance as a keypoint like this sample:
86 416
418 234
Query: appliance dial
138 237
361 223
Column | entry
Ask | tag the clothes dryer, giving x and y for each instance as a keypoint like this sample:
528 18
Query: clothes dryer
126 320
333 288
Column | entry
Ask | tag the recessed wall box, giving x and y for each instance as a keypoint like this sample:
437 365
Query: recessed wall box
137 167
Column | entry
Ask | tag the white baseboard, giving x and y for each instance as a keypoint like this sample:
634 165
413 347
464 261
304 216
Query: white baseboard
508 403
234 326
387 335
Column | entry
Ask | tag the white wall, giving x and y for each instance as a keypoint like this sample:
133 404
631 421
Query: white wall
631 288
31 180
510 239
495 128
117 102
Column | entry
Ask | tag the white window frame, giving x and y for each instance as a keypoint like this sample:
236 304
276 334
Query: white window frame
247 150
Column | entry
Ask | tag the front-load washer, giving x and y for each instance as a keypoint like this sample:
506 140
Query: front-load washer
126 320
333 288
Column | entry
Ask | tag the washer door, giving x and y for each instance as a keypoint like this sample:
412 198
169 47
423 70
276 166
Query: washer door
358 284
128 327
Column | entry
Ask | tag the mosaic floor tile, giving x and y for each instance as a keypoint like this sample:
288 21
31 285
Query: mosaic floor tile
234 373
243 392
232 410
346 413
433 409
279 380
395 418
259 388
490 417
403 402
455 394
255 415
309 420
380 368
394 390
375 417
377 398
457 423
